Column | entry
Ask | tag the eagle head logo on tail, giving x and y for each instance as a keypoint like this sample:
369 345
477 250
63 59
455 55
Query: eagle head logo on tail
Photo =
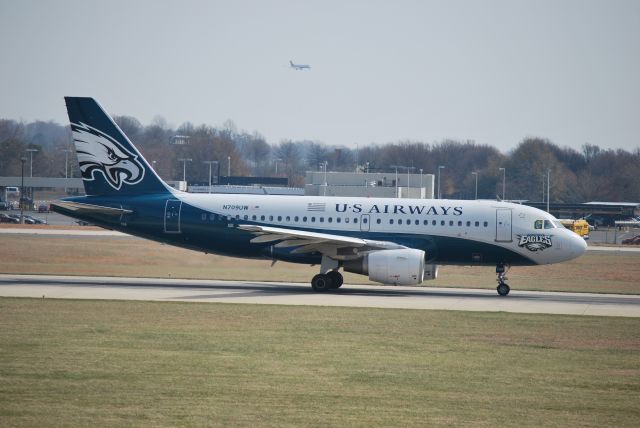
98 153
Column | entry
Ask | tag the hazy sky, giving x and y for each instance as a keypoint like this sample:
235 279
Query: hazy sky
490 71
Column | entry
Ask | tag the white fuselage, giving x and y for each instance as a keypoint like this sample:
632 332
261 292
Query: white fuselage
501 224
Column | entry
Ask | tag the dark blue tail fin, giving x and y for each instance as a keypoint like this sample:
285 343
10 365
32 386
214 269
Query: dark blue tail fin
109 163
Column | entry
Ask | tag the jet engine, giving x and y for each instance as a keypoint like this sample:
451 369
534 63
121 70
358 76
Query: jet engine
398 267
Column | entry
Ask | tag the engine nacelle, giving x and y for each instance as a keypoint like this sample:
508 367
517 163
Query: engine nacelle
398 267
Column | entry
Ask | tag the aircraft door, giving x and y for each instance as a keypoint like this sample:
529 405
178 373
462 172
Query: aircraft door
172 216
503 225
364 222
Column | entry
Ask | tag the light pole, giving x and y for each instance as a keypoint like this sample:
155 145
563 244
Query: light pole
504 179
66 162
420 183
22 160
228 166
184 167
31 152
277 160
396 181
440 167
409 168
66 166
210 163
548 188
476 174
324 185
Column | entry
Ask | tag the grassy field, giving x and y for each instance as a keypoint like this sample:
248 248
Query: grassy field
96 363
601 272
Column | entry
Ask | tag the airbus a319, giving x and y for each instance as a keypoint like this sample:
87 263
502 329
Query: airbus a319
392 241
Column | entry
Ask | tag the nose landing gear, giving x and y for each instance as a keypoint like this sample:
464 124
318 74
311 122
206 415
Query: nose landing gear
503 288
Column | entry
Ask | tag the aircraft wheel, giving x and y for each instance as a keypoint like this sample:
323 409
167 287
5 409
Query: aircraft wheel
503 289
321 283
336 278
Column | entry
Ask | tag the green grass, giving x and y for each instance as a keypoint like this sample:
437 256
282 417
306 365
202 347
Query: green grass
96 363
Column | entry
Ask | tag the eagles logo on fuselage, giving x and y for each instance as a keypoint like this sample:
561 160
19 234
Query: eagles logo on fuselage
535 242
98 153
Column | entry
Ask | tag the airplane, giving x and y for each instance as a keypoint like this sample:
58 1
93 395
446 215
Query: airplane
392 241
299 66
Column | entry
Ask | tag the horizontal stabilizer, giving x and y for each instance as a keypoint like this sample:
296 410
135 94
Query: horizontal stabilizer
90 209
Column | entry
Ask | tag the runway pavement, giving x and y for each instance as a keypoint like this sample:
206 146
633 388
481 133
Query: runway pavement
69 287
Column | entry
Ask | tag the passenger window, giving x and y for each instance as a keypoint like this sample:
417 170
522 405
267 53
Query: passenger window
296 218
204 216
450 222
304 218
442 223
433 223
417 222
477 223
321 219
212 217
246 217
378 221
253 217
338 219
399 221
237 216
426 222
330 219
364 220
390 221
459 223
288 218
355 220
486 223
537 224
279 218
262 217
313 219
270 218
408 222
346 220
468 223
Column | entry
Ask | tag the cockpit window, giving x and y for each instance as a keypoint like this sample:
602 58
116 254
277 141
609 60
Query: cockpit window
558 224
545 224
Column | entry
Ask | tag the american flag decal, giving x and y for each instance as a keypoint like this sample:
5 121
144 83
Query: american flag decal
316 206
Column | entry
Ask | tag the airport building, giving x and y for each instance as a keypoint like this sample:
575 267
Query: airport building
599 213
369 184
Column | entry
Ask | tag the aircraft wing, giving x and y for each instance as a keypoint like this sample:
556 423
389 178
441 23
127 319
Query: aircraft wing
335 246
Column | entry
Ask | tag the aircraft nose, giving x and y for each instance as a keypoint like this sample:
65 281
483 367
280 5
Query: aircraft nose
578 245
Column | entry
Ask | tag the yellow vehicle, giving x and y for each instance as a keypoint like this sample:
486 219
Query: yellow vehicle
581 227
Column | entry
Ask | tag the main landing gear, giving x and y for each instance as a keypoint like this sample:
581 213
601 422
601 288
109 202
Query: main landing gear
329 280
503 288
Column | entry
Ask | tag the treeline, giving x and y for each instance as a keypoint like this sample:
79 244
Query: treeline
576 176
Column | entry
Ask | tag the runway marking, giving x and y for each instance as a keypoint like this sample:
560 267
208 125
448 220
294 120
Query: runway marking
301 294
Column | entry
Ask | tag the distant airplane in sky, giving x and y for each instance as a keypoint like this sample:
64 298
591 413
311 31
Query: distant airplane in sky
299 66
